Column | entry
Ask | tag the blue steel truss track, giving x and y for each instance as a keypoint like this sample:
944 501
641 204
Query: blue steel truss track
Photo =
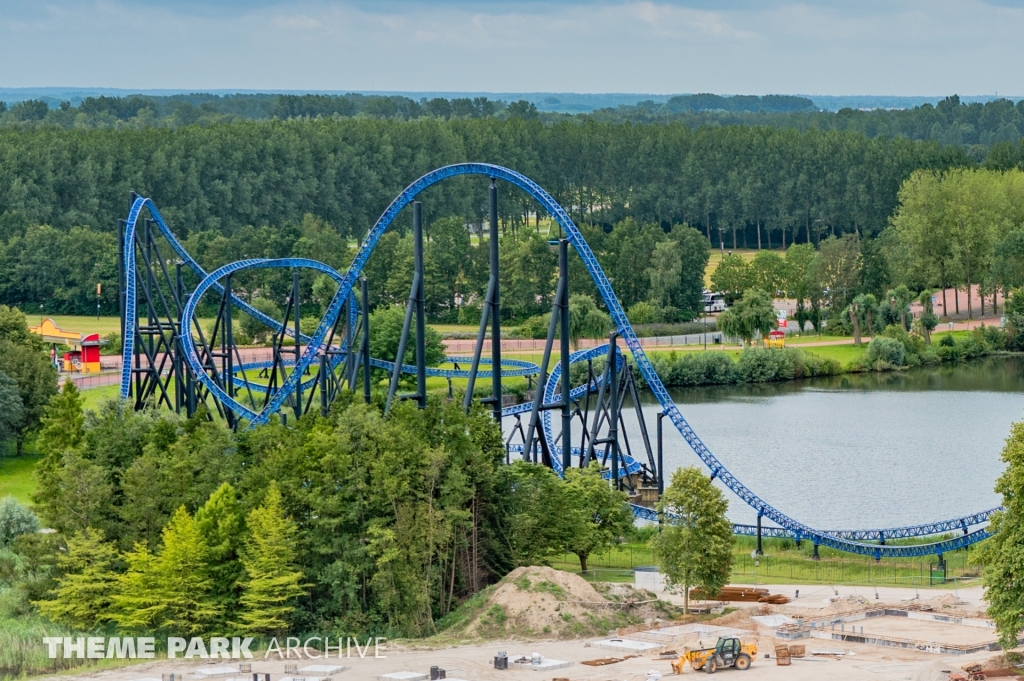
849 541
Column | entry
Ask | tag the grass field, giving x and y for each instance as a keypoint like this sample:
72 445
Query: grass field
16 477
716 258
784 563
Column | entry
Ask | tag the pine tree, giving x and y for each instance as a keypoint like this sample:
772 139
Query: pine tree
182 587
135 604
222 525
83 596
62 431
272 580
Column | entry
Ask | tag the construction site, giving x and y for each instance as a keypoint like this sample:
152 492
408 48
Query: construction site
540 623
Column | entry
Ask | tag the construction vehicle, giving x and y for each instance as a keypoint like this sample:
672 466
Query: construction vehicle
728 652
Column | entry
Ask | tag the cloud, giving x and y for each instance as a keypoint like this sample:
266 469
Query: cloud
657 46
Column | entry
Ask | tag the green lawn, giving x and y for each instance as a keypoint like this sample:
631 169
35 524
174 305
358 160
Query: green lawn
16 477
94 396
783 563
844 354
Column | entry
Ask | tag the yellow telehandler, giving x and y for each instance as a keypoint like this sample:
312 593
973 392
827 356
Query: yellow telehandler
728 652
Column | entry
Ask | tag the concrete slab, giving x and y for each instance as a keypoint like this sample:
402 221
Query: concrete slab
402 676
210 672
625 644
772 621
323 669
545 664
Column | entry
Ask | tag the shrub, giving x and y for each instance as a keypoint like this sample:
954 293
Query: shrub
887 351
643 313
15 520
761 365
535 327
695 368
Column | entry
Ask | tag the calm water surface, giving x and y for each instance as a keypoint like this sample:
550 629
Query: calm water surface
858 450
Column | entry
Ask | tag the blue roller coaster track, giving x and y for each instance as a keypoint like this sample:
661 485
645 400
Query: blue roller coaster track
953 534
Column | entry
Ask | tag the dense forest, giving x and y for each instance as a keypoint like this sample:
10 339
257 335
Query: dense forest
949 121
314 172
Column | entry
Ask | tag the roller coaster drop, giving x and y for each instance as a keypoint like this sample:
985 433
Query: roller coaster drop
164 364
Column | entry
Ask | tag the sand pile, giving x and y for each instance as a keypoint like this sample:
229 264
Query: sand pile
938 670
541 602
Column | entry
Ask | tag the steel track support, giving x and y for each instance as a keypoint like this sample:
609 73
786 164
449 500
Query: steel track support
297 309
421 331
759 551
365 346
492 196
661 455
613 409
563 348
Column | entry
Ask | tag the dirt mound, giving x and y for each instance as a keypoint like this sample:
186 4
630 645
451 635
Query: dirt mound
541 602
938 670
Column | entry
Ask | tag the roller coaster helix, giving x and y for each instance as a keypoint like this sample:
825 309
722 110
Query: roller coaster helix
169 360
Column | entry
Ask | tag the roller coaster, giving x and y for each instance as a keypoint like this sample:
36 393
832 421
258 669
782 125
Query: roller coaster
170 360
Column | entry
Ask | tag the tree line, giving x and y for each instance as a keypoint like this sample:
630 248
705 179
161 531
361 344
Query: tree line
974 126
739 186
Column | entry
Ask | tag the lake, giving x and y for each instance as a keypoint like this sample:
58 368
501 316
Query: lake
859 450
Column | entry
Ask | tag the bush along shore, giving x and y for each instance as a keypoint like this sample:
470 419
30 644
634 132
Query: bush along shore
893 350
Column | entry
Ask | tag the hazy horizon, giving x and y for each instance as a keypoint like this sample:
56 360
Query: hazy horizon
810 47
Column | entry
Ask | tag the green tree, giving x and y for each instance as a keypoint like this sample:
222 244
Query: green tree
899 300
272 582
84 593
586 319
694 546
642 313
597 515
533 502
751 315
12 412
136 603
23 359
732 277
386 332
222 526
693 251
80 496
839 264
665 273
182 584
15 520
928 319
800 264
445 261
768 272
62 431
1001 553
254 328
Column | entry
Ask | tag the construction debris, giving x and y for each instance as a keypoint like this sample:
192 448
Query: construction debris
602 661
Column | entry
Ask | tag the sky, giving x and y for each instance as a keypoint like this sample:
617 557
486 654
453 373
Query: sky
866 47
